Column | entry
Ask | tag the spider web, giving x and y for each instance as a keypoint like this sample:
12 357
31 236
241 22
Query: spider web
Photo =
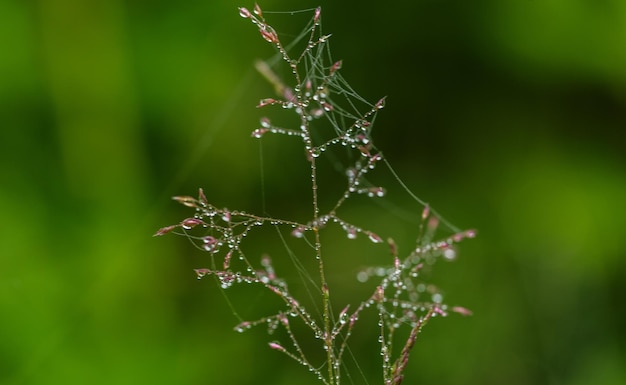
334 123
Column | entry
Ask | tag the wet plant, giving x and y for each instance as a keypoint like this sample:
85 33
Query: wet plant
403 303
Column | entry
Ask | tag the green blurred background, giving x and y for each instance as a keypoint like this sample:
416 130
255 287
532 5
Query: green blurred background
507 116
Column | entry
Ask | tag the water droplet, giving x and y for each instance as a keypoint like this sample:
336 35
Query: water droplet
316 113
376 192
362 276
449 253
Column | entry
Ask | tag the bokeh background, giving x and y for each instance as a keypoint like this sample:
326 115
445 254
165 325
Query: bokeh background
507 116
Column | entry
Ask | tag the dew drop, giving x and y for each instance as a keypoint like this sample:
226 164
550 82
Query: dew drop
376 192
362 276
316 113
449 254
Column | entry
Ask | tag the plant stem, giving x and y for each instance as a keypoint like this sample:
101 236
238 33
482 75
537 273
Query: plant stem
328 339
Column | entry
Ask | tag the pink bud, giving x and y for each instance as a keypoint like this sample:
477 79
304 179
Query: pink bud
327 107
344 312
458 237
298 232
202 272
379 294
374 238
259 132
209 239
265 122
433 222
243 326
210 244
257 10
380 104
440 311
190 223
335 67
393 248
364 150
266 102
269 36
276 346
318 13
243 12
376 158
417 268
462 311
202 197
164 230
227 260
186 200
283 319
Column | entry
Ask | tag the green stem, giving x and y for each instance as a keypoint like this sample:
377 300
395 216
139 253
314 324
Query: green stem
328 341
